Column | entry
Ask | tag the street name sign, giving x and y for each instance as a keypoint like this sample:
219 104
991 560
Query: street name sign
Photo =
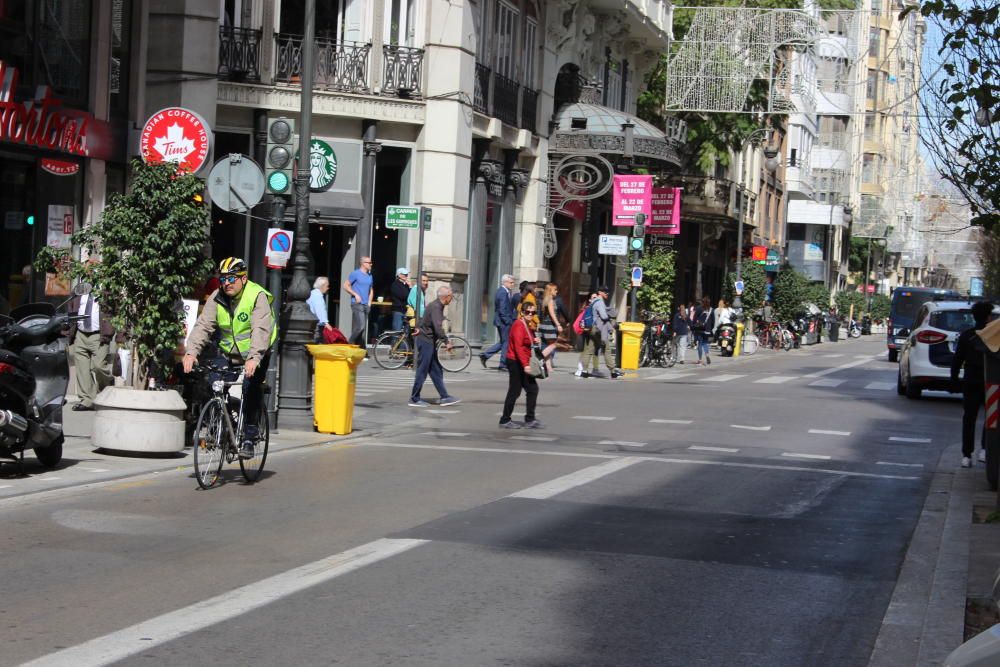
402 217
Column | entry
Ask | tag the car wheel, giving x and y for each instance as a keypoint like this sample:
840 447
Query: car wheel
912 391
893 356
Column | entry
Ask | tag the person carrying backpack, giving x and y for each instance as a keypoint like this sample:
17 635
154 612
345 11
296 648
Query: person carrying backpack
703 325
598 334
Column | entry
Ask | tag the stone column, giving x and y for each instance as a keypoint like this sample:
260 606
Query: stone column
513 179
363 238
482 170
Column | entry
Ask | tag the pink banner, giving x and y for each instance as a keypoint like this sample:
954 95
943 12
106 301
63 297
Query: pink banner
666 218
632 195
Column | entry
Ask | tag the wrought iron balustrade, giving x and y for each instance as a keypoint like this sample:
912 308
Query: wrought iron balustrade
481 95
402 67
505 99
529 109
339 66
239 54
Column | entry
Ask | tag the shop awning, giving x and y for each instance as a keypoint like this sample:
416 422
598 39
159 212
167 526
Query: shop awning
335 208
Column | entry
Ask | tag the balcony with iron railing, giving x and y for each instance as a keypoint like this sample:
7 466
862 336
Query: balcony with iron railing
239 54
499 97
339 66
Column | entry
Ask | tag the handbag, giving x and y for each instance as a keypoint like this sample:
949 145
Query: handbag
536 364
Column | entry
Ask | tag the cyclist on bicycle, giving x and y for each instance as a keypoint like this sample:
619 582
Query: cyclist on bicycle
244 317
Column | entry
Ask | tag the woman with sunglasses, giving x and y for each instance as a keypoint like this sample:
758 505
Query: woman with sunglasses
519 351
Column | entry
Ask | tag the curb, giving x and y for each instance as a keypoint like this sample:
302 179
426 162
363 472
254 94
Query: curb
925 619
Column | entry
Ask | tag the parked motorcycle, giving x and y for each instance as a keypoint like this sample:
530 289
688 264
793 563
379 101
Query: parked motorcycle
726 337
853 329
34 373
866 326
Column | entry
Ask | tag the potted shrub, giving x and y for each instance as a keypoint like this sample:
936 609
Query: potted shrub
151 241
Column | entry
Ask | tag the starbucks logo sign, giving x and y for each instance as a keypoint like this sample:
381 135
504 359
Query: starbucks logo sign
322 165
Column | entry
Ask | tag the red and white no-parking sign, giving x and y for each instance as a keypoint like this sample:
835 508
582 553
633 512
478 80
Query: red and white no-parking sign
176 135
279 248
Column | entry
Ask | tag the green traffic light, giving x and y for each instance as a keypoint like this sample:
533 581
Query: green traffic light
31 220
636 244
277 181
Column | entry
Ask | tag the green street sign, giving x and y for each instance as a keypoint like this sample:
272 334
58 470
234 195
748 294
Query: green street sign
402 217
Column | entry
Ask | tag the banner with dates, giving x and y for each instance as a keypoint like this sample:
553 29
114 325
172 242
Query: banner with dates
632 195
666 218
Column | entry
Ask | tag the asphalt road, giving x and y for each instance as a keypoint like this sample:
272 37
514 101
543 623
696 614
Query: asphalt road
755 512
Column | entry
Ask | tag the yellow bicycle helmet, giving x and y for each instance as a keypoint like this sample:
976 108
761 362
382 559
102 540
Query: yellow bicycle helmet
232 265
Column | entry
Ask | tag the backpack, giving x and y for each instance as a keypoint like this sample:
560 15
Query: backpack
588 318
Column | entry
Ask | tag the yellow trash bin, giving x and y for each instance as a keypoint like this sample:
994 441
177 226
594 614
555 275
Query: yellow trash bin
336 376
631 343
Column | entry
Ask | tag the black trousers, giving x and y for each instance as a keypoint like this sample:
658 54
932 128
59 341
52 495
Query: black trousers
517 381
973 398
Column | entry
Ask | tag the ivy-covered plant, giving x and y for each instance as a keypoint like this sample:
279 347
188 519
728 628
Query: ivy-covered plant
792 290
846 299
754 288
151 242
880 307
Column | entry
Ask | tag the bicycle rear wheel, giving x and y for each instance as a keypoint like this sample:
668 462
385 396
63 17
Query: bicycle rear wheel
392 350
208 445
786 340
253 467
458 357
750 344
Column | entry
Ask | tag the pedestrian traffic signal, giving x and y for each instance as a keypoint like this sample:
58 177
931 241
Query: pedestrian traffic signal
280 155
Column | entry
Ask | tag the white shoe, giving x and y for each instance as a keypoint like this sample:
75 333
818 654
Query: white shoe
579 374
982 456
966 462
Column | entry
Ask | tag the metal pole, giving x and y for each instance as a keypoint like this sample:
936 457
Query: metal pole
420 274
274 287
829 251
300 324
868 268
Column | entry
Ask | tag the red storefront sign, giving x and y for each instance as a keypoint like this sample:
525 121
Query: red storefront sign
43 123
60 167
666 218
632 195
176 135
758 254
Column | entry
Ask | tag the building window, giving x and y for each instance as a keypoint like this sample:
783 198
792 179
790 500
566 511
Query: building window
872 89
530 32
506 34
871 126
874 42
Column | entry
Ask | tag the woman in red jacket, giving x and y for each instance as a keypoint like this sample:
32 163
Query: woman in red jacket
519 352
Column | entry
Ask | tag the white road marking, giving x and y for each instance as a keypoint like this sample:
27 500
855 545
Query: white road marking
775 379
445 412
669 421
842 367
562 484
651 459
445 434
721 378
796 455
726 450
670 376
47 479
827 383
623 443
832 356
862 356
595 418
534 438
363 393
6 486
819 431
904 465
881 386
750 428
900 439
118 646
95 469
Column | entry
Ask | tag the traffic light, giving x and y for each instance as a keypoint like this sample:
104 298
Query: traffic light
280 155
638 233
31 220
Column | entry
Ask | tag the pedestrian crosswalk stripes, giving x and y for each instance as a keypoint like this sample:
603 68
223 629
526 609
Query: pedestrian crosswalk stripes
881 386
722 378
776 379
826 382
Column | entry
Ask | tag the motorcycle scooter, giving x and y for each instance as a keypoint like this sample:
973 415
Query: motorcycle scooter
34 374
726 335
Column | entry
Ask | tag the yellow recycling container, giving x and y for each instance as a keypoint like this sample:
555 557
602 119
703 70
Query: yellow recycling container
631 342
336 377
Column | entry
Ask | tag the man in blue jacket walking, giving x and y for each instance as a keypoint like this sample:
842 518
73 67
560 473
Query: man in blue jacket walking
503 318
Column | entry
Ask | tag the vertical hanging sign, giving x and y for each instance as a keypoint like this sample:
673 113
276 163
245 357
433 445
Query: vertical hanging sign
666 218
632 195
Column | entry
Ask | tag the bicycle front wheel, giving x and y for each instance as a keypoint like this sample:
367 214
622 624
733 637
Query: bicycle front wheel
750 344
454 354
392 350
253 467
208 445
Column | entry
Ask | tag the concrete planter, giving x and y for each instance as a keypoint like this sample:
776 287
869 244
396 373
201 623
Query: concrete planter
129 420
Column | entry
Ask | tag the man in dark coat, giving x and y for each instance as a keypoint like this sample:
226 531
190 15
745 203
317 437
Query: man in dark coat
503 318
972 385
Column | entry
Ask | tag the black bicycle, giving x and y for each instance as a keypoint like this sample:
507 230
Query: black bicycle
221 428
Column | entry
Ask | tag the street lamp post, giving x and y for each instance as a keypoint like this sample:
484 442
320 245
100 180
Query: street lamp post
295 407
847 214
771 157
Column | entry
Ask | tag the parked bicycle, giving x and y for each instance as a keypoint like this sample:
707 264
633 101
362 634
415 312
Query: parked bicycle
394 349
221 427
658 346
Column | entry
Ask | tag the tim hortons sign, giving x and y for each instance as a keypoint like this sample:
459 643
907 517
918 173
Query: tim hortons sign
176 135
43 123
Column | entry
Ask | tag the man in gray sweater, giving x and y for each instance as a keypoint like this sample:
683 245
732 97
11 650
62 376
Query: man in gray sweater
600 333
429 332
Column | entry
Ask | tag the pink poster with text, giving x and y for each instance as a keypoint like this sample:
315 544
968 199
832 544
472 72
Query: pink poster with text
632 195
666 218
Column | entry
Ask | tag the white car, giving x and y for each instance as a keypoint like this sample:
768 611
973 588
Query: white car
925 360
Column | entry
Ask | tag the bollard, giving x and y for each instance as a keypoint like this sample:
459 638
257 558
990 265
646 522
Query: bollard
738 346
